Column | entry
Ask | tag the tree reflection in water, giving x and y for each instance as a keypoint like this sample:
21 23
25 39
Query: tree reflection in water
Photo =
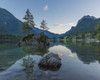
86 52
35 50
28 63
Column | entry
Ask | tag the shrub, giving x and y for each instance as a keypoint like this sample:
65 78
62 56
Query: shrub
28 37
42 39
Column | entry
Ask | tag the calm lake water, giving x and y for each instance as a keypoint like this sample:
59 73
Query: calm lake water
80 61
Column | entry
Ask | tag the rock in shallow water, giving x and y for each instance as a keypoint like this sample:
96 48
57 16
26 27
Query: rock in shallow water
50 60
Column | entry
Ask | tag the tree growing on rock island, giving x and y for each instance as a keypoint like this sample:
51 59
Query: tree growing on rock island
43 25
29 23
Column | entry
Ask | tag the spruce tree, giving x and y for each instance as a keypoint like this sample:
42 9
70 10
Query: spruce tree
29 23
43 25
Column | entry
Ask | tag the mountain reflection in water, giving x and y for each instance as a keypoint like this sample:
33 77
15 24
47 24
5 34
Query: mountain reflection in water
80 61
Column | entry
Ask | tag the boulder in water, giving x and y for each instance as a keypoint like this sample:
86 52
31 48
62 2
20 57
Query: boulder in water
50 60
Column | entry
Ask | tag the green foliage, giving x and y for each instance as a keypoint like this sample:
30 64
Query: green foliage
86 52
85 25
42 39
83 35
25 27
29 23
98 36
98 30
43 25
9 37
30 50
69 37
28 37
28 62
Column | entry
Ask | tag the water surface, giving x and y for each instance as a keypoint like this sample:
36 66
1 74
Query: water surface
80 61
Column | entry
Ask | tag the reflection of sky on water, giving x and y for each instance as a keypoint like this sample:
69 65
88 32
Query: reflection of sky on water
79 62
62 51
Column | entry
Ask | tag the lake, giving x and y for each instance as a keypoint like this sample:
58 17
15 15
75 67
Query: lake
80 61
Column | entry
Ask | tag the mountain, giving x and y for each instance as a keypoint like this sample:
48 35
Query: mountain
9 24
86 24
49 34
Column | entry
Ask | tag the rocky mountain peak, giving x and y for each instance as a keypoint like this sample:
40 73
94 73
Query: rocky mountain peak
88 17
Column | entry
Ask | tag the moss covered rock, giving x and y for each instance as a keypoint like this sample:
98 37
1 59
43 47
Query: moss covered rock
35 40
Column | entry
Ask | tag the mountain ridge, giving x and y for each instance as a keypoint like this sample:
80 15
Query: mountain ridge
9 24
86 24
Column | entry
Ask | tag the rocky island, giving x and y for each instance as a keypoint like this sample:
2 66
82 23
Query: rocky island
39 39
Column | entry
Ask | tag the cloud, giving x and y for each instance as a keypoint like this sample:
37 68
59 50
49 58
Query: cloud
45 8
64 25
71 24
72 55
58 25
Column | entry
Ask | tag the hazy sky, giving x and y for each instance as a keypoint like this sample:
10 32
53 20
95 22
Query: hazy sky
59 14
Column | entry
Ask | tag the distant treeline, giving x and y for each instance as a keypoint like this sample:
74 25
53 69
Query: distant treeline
82 36
94 35
9 38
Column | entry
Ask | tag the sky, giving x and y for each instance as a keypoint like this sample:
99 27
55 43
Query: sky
60 15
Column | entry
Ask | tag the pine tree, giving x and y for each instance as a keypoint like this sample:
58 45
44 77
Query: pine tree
29 23
43 25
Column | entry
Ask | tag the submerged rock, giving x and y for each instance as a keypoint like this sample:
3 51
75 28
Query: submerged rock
50 60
